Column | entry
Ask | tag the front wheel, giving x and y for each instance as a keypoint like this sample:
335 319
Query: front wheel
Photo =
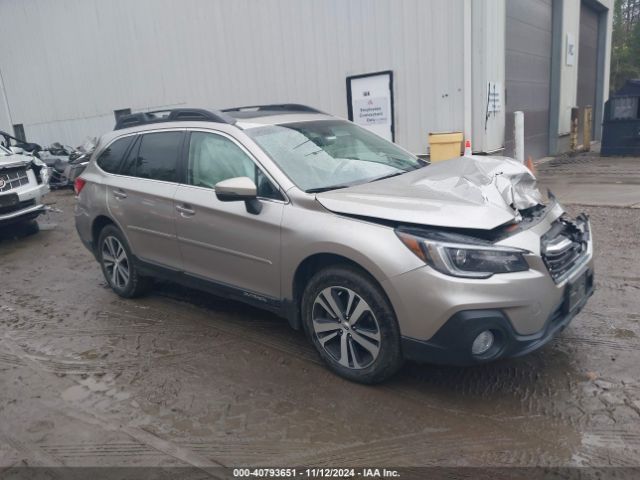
117 264
352 325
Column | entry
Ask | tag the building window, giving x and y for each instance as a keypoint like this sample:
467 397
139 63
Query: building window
18 132
122 112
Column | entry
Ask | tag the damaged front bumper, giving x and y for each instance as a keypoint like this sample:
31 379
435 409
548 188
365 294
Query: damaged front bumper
442 316
452 344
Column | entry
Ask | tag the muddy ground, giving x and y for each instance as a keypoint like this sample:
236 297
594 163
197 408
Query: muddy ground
183 378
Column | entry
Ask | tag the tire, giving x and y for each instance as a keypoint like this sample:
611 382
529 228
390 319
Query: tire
365 349
112 244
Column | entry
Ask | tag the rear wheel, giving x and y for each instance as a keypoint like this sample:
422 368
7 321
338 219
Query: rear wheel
352 324
118 266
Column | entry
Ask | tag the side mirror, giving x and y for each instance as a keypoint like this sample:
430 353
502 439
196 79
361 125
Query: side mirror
16 150
239 189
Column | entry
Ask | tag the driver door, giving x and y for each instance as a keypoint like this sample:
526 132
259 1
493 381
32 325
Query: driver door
221 241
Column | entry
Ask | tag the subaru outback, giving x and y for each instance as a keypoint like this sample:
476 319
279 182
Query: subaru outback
378 256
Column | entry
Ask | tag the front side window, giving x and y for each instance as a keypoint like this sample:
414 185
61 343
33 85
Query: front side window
329 154
157 157
110 159
214 158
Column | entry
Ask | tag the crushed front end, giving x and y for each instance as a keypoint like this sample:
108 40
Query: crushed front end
23 184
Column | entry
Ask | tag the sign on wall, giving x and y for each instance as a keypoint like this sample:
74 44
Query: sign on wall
370 102
494 104
571 50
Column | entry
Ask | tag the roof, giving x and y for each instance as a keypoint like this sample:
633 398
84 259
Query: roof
249 116
243 117
282 118
276 114
253 111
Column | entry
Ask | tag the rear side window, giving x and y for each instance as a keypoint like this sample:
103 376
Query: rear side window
157 157
110 159
128 167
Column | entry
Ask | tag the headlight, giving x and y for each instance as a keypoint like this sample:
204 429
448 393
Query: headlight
462 260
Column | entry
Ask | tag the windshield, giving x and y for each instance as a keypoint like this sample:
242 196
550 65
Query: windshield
329 154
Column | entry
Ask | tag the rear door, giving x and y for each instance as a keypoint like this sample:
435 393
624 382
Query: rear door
141 197
221 241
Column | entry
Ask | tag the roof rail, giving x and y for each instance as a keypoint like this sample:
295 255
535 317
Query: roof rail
173 115
279 107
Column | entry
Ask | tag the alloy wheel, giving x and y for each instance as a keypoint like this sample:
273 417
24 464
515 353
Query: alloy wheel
346 327
116 262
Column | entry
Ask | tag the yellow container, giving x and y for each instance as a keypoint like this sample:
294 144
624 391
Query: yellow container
445 145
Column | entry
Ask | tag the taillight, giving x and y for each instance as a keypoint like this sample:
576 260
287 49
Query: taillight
78 185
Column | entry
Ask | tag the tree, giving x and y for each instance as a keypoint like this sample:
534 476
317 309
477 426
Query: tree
625 48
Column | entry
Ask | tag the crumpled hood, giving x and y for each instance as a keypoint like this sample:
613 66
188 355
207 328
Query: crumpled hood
467 192
7 161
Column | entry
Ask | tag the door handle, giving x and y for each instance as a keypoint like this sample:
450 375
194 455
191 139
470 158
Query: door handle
185 211
119 194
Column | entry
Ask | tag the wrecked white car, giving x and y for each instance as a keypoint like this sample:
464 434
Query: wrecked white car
23 182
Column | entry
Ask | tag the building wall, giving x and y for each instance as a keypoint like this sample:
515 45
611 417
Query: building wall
609 33
5 122
63 83
81 59
488 66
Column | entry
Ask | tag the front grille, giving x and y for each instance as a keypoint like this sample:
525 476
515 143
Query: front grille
11 178
564 246
17 206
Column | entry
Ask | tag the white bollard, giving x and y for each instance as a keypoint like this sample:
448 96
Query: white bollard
518 136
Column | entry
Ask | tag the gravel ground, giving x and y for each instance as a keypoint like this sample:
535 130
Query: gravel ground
180 378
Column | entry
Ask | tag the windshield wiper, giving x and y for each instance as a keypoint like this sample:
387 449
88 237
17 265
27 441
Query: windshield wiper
391 175
347 185
327 189
421 163
303 143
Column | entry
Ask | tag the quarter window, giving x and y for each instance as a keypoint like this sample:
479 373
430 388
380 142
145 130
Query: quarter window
110 159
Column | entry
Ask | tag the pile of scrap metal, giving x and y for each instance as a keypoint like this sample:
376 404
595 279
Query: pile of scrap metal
67 163
12 143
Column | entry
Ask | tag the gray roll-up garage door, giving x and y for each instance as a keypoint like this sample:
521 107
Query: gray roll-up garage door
587 61
528 73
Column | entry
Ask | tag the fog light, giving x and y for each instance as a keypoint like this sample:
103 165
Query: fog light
482 343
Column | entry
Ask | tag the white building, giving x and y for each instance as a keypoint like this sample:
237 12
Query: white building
457 65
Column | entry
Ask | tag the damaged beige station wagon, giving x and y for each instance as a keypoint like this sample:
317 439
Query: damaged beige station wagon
377 255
